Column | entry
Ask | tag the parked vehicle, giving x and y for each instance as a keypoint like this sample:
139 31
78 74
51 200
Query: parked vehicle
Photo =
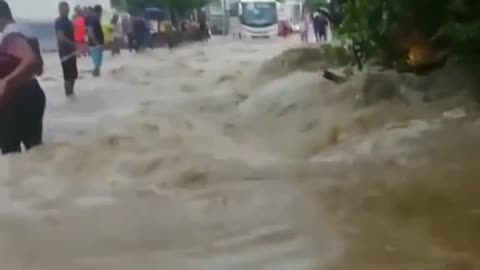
258 18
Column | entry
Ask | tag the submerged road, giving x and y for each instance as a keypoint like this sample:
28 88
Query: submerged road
148 169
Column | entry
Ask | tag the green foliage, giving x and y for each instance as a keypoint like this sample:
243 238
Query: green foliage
118 3
379 27
186 5
314 4
179 6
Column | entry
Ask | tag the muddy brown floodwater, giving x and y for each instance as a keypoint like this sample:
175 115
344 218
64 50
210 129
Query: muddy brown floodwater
206 158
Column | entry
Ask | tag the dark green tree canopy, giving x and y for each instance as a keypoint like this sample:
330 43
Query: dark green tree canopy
393 28
179 6
314 4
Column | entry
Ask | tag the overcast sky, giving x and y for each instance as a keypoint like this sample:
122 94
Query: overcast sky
44 9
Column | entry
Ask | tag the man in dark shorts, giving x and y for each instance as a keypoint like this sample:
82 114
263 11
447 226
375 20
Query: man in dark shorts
66 48
96 40
22 100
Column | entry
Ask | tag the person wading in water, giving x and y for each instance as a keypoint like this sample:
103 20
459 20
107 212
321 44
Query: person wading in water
127 27
96 40
80 30
22 100
304 28
117 35
140 31
67 48
202 22
320 23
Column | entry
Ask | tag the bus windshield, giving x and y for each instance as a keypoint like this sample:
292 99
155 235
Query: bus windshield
259 14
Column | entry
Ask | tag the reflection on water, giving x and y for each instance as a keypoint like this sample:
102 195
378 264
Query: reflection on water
218 172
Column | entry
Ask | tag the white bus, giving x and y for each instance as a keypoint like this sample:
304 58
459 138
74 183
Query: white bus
258 18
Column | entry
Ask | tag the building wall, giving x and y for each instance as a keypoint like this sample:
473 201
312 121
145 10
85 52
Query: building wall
215 7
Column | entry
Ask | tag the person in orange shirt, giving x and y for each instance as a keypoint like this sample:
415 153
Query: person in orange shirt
80 31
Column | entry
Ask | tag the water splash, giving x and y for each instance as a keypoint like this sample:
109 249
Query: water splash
215 171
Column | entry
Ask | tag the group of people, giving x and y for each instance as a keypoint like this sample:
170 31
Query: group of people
85 34
75 38
320 23
22 100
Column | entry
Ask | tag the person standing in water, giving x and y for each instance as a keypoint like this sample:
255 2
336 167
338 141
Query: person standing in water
96 39
66 48
127 27
320 23
304 28
22 100
80 29
167 27
117 35
202 22
140 31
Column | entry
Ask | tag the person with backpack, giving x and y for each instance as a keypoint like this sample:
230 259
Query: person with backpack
22 100
320 23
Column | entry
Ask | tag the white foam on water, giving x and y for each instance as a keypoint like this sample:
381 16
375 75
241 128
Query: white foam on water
182 161
140 172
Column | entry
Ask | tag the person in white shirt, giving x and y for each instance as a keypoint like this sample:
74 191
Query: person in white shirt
117 34
304 27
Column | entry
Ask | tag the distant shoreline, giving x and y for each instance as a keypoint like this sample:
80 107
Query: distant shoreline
39 21
44 30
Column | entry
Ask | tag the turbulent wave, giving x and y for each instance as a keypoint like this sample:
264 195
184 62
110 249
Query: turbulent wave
218 171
